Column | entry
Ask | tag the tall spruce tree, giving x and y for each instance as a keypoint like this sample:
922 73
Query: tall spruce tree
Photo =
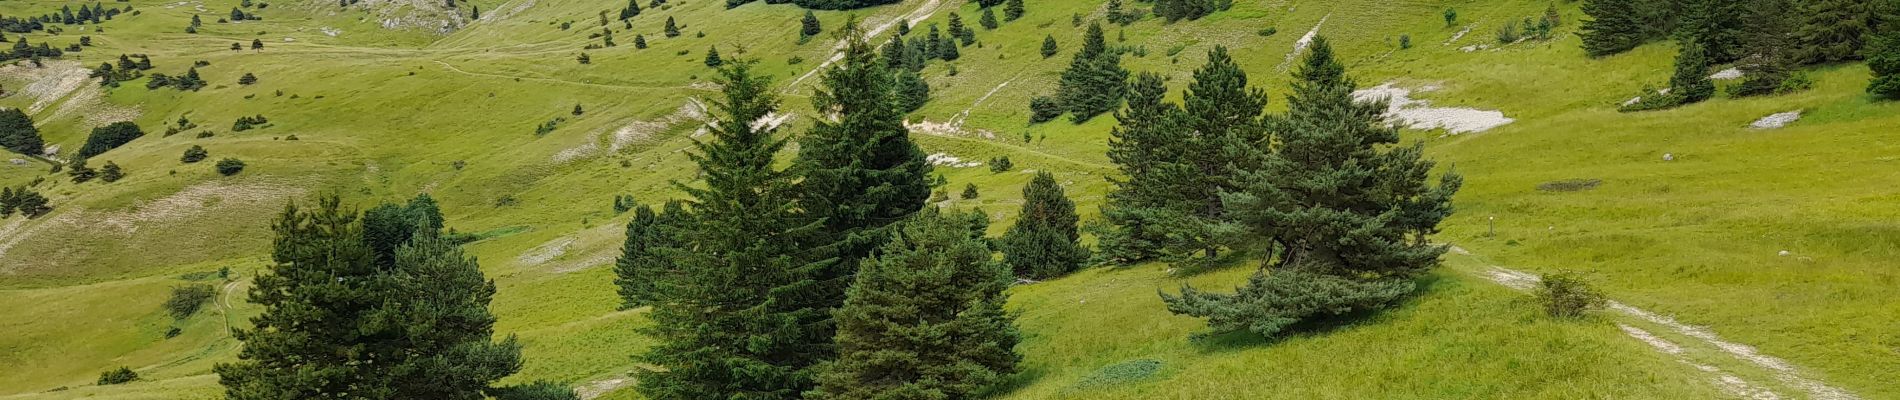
1044 243
860 172
1717 25
1691 83
1883 57
646 257
18 134
340 323
1768 56
925 318
1836 30
1012 10
1346 211
1145 148
1615 26
809 27
735 322
1094 82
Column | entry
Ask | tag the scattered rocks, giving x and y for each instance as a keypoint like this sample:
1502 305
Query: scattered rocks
1777 120
1669 156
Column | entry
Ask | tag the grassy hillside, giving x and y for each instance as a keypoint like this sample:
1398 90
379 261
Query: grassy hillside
384 114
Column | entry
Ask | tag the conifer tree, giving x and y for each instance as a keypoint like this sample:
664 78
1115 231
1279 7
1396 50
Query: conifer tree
632 10
1691 83
1094 82
671 30
1614 26
957 30
1012 10
80 173
912 90
989 19
809 26
1044 243
924 318
1836 30
1143 148
639 41
860 172
712 57
1345 209
474 12
646 258
736 323
1883 57
1768 57
1716 25
1049 46
18 134
110 172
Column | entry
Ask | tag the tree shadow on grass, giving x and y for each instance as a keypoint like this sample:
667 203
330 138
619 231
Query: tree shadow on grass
1224 342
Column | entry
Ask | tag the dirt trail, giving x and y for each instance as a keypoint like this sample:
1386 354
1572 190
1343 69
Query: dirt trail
1781 369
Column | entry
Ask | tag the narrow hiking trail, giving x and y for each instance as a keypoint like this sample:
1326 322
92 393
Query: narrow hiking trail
1703 339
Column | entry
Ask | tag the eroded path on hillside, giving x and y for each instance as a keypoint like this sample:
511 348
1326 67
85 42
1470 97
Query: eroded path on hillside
1700 338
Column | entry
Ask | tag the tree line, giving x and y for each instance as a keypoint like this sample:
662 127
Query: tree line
1770 41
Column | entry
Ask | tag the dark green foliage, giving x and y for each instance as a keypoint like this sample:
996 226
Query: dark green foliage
712 57
671 30
1043 109
639 41
247 79
23 200
1094 82
584 59
578 110
187 299
537 390
840 4
1176 10
1177 160
18 134
230 166
80 173
474 12
738 322
1884 58
912 90
109 137
387 227
1691 83
110 172
809 26
194 154
1836 30
1567 295
1012 10
1273 301
1616 26
989 19
257 44
1451 16
1044 243
985 4
1768 57
1716 25
122 375
248 123
969 192
1001 164
860 172
645 258
924 318
415 325
1345 209
1049 46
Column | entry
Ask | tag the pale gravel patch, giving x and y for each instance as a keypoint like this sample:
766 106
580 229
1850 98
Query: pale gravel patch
1727 74
1662 345
595 389
1299 46
545 252
947 160
1419 114
575 153
1461 34
1776 120
637 131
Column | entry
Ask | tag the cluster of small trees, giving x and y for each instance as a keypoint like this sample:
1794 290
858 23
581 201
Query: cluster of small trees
410 307
24 200
194 154
835 258
93 14
1092 85
190 81
17 133
1176 10
1769 40
1539 28
110 74
25 51
1323 193
247 123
